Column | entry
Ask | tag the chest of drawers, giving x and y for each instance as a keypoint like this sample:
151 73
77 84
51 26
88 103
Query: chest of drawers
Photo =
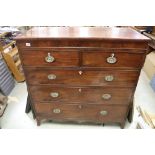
82 74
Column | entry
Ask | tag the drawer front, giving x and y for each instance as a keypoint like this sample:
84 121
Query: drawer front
81 77
52 58
121 59
77 95
97 113
80 43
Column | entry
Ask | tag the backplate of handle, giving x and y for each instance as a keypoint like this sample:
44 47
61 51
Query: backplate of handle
51 76
103 112
112 59
56 111
109 78
106 96
54 94
49 58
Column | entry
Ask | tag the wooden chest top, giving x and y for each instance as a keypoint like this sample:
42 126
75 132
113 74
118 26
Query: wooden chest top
83 33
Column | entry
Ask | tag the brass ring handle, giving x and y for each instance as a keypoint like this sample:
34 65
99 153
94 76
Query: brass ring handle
54 94
103 112
56 111
51 76
49 58
109 78
106 96
112 59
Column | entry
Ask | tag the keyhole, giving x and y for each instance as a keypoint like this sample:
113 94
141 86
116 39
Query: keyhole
80 90
80 106
80 72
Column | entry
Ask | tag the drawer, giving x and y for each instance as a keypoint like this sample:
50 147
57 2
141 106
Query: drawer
109 58
77 95
87 112
108 43
52 58
37 76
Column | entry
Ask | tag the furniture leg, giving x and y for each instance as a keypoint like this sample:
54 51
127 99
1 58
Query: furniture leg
130 114
38 121
122 124
28 105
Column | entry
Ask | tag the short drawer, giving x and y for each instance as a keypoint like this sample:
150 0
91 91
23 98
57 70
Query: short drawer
87 112
125 78
77 95
52 58
113 58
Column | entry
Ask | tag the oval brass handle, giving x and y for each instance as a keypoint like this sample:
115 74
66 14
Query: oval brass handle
51 76
103 112
56 111
106 96
109 78
49 58
112 59
54 94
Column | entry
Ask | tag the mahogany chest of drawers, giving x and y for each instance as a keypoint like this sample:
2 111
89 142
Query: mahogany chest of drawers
82 74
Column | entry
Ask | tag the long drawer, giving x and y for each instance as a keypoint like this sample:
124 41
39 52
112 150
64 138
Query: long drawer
46 75
87 112
77 95
91 43
56 58
114 59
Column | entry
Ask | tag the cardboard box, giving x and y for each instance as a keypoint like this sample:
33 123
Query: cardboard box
144 120
149 65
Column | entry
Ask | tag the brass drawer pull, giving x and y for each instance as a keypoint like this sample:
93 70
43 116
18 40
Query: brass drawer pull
112 59
51 76
103 112
49 58
106 96
56 111
54 94
109 78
